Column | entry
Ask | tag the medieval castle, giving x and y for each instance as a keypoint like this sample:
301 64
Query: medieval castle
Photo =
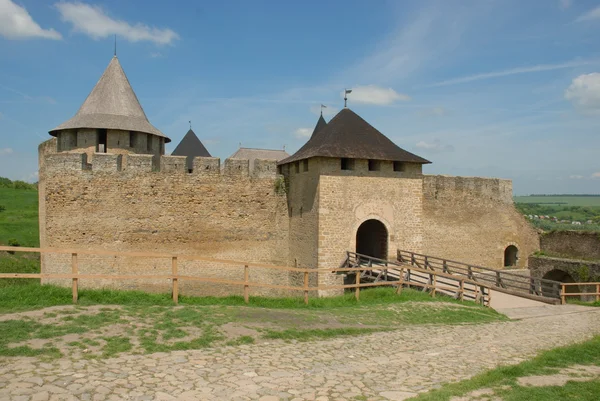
106 183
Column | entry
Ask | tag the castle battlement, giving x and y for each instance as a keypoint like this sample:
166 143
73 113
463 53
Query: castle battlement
450 188
68 162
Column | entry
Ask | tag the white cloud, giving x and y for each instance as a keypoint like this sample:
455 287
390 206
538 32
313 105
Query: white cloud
576 177
433 112
584 93
590 15
434 146
16 23
303 133
596 175
513 71
564 4
371 94
5 151
92 21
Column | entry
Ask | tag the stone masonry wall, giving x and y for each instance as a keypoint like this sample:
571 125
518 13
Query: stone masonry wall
572 244
473 220
107 204
349 198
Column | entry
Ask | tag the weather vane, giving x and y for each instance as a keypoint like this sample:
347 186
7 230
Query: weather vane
115 44
190 124
323 107
346 92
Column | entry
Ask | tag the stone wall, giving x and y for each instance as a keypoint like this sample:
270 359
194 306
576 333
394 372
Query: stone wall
571 244
349 198
235 214
578 271
471 219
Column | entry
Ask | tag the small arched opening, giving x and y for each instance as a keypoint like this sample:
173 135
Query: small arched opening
563 277
511 255
372 239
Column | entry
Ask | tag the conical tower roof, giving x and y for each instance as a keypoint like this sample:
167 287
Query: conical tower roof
191 147
321 123
112 104
347 135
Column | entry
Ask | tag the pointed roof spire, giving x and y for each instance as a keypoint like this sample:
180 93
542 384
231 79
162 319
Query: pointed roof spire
112 104
321 123
347 135
191 147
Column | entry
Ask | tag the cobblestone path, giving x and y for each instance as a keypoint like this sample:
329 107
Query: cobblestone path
392 365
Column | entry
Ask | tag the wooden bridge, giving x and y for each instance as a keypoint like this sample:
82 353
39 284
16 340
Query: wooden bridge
457 279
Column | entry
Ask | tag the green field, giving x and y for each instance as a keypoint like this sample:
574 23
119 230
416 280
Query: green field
19 216
564 200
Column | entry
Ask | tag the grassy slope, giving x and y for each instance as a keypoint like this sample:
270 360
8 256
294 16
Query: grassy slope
503 380
152 324
20 219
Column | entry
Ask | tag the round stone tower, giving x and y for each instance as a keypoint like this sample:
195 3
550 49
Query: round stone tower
111 120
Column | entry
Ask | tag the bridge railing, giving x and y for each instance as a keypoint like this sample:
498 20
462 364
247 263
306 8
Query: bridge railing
500 280
400 275
594 293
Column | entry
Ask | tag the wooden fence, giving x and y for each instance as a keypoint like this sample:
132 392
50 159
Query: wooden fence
565 294
476 291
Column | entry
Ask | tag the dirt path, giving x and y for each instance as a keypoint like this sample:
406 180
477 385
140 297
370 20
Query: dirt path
391 365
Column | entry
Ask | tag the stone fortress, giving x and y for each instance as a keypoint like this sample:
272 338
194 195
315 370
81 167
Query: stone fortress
106 183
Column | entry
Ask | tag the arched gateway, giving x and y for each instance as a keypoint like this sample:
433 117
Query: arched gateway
372 239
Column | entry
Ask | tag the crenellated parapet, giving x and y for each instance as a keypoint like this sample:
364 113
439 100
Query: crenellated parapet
167 165
449 189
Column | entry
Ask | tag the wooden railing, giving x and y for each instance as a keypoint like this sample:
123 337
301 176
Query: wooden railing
539 289
464 289
398 274
565 294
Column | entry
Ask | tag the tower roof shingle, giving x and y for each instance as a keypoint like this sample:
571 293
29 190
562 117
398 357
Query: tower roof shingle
112 104
347 135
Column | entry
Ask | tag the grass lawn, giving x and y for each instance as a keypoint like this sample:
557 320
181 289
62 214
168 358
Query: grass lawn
106 322
503 382
19 219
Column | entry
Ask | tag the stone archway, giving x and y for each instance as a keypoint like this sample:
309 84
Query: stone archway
372 239
511 255
563 277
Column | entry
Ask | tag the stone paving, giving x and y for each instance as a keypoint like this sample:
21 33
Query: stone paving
381 366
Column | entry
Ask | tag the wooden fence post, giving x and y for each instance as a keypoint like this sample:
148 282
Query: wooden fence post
357 291
434 285
470 272
74 270
400 281
175 280
597 292
246 286
306 287
498 281
563 297
444 266
461 290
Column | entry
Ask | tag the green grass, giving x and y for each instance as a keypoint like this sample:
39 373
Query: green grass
567 200
35 296
19 220
311 334
548 362
115 345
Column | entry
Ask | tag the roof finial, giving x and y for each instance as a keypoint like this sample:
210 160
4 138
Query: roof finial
115 45
346 91
322 107
190 124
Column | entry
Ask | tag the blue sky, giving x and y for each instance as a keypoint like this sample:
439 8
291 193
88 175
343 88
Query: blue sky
499 88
